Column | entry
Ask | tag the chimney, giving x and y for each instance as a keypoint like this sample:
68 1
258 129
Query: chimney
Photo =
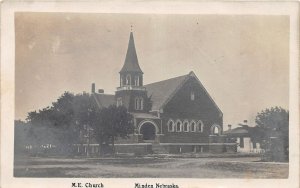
100 91
229 127
93 87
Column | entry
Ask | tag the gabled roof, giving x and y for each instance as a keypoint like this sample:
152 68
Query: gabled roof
131 61
238 130
104 100
162 92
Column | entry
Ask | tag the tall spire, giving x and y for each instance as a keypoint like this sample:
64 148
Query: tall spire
131 61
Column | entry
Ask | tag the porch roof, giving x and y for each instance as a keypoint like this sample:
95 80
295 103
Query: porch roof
144 116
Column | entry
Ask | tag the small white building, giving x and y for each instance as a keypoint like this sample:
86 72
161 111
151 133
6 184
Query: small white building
242 136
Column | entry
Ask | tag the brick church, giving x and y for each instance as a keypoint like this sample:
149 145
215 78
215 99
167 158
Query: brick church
176 115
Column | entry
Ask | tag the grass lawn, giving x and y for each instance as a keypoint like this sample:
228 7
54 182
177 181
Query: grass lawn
151 167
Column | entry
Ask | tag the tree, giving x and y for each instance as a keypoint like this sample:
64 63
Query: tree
70 119
114 122
57 124
275 118
42 129
21 138
274 124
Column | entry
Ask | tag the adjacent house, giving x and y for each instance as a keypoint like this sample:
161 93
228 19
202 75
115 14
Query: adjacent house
244 137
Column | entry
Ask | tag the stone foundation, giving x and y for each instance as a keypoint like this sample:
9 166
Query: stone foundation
138 149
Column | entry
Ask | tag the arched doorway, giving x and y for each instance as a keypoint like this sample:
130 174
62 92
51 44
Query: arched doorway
148 130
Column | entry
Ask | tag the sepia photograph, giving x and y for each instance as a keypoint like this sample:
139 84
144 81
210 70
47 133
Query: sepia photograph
123 95
151 95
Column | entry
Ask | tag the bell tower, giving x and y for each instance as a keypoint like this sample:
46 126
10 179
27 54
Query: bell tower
131 92
131 73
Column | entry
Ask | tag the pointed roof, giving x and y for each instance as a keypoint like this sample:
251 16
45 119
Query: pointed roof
104 100
162 92
131 61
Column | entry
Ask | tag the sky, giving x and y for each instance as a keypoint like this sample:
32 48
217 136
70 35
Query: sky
242 60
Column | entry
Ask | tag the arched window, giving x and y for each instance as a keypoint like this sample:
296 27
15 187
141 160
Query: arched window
192 95
136 80
200 125
186 126
139 103
170 125
119 101
193 126
178 126
128 79
215 129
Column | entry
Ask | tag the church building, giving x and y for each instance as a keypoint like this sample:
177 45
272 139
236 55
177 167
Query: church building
176 115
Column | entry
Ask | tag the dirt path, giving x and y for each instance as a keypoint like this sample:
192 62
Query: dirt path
150 167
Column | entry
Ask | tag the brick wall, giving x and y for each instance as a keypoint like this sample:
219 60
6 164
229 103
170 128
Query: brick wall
140 149
132 139
202 107
185 149
128 99
183 108
217 144
183 137
217 139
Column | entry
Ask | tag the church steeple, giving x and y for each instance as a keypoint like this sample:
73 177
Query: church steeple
131 74
131 93
131 61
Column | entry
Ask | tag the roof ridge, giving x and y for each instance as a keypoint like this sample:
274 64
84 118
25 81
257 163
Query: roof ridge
166 80
164 96
103 100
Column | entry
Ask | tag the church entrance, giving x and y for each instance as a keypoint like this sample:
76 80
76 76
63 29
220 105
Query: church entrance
148 131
